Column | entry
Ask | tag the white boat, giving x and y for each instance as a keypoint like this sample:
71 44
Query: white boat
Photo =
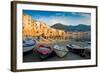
28 44
26 49
61 51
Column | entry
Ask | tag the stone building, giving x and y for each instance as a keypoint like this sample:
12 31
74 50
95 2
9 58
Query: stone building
35 28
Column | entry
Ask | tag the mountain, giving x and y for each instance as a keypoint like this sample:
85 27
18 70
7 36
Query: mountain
79 27
59 26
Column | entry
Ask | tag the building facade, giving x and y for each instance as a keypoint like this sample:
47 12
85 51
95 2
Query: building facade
35 28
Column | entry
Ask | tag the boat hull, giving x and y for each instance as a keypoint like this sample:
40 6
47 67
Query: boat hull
83 52
60 53
26 49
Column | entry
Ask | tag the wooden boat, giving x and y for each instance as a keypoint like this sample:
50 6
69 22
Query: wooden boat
75 48
60 51
82 51
87 52
43 51
28 44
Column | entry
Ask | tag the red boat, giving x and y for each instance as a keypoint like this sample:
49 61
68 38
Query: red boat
43 51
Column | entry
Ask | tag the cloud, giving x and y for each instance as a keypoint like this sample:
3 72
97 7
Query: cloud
66 18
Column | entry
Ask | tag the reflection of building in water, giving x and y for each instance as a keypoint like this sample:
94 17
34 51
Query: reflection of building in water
35 28
78 35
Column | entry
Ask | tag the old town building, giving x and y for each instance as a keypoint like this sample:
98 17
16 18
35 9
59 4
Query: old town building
35 28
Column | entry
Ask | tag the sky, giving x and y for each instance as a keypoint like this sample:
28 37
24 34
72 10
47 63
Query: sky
66 18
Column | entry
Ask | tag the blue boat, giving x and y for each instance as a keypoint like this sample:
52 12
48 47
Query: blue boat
28 44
